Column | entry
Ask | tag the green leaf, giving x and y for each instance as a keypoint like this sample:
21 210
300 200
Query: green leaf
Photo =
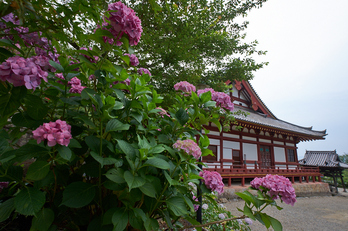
35 107
182 116
120 219
56 66
93 143
8 105
64 152
157 162
74 144
5 54
217 123
277 226
78 194
38 170
157 149
210 104
248 212
126 148
29 201
6 208
245 197
103 161
133 181
43 220
8 43
205 97
116 175
148 189
265 219
177 205
116 125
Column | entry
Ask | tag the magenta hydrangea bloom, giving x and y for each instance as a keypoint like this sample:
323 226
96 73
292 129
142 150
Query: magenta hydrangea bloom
133 60
126 82
76 86
3 185
184 86
142 71
199 92
222 100
195 206
58 132
162 112
123 20
188 146
20 71
213 181
276 186
92 60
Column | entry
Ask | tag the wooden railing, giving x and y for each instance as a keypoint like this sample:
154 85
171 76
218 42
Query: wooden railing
251 169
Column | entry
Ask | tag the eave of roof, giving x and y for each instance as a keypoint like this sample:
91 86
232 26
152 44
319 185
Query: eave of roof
304 133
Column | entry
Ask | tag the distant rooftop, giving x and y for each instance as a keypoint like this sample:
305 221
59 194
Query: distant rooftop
322 159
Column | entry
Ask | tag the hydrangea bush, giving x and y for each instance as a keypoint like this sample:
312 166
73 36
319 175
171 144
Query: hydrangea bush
268 188
84 141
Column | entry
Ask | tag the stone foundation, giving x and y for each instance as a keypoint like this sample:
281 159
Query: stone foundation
301 189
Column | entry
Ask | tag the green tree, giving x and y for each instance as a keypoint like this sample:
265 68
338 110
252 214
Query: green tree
198 41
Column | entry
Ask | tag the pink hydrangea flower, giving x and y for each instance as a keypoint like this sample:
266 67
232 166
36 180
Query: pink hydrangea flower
92 60
76 86
20 71
201 91
133 60
221 99
126 82
213 181
162 112
276 186
195 206
58 132
42 61
142 71
188 146
123 20
184 86
3 185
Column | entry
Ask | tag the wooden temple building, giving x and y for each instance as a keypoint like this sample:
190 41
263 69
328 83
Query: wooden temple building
328 162
264 145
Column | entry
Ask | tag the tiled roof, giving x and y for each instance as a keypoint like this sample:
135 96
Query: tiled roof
263 120
322 159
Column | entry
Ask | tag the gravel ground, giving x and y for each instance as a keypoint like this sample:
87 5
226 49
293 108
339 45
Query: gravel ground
326 213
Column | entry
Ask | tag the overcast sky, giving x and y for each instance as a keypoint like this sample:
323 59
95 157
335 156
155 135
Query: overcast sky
306 80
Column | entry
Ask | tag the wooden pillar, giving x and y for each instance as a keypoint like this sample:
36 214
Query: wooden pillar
335 181
344 187
307 179
292 179
300 179
313 179
229 181
243 181
319 178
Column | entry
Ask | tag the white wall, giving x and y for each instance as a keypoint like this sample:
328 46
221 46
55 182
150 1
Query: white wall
231 144
250 150
279 154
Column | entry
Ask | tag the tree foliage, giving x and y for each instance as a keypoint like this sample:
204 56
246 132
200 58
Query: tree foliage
196 40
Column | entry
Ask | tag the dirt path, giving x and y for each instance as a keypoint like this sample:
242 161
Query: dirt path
327 213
